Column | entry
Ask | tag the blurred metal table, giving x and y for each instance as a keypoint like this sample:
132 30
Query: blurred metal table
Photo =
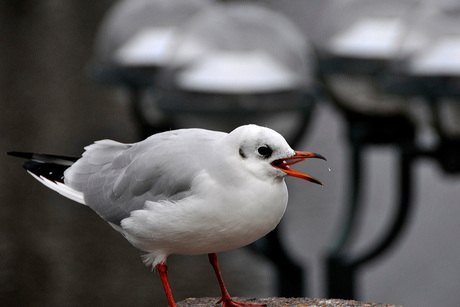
358 41
378 57
432 72
367 129
441 92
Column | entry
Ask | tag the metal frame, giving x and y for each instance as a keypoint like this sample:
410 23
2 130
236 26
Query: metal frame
367 130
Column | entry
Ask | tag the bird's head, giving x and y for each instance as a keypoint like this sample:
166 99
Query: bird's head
265 153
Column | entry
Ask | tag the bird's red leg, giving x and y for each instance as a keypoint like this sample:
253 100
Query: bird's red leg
163 271
226 300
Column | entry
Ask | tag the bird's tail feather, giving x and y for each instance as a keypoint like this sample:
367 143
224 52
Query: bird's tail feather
49 170
51 167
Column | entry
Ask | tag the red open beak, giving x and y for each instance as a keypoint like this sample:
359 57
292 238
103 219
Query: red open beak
285 163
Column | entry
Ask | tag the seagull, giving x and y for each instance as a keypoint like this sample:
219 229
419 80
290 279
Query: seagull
186 191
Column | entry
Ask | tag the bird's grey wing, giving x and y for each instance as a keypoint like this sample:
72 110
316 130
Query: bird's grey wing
118 178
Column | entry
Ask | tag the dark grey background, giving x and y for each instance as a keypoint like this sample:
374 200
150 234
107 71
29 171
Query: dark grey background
54 252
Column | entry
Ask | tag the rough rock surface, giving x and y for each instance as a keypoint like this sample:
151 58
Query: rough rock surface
282 302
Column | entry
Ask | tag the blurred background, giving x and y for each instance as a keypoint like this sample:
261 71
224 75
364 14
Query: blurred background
373 87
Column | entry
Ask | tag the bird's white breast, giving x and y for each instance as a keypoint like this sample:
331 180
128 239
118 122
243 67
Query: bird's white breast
214 218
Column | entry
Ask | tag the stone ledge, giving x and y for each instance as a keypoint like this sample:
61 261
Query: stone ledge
281 302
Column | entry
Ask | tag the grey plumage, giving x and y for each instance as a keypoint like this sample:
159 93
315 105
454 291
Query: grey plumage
118 178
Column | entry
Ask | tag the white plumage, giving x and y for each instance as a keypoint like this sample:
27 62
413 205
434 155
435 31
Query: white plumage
189 191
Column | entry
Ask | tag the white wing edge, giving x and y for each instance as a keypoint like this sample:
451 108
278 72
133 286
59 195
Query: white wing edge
61 189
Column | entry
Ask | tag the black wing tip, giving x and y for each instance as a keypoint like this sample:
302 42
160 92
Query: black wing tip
51 171
19 154
44 157
51 167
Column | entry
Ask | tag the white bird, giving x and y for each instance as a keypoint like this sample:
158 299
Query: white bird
188 191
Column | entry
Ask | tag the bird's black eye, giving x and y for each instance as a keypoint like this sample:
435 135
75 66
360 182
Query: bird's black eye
265 151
